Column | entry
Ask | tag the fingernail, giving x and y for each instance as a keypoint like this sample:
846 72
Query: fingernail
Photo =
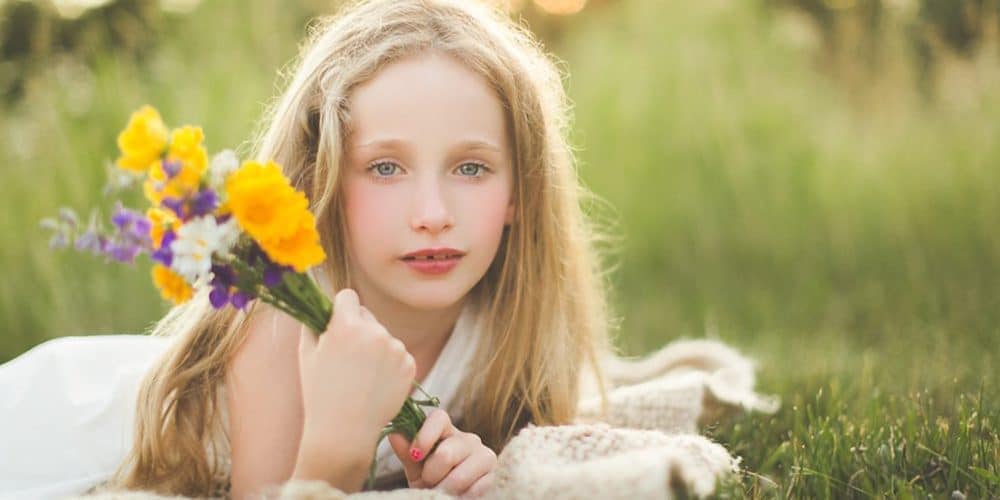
416 454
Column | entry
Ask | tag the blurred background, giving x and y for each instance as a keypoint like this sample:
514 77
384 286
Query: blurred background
816 182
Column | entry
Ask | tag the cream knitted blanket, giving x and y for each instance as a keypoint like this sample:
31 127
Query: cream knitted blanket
647 447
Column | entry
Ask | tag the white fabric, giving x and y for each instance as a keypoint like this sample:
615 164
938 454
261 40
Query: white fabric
66 412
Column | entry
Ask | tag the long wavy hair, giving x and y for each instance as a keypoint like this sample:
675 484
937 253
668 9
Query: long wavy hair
546 318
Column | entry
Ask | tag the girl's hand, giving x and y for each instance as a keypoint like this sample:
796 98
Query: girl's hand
354 378
460 465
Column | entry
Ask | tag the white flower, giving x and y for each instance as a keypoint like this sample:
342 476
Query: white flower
196 241
223 164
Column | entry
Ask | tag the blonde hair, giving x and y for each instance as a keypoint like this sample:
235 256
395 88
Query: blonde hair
543 297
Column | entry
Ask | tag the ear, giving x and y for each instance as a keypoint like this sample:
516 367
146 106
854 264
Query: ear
509 219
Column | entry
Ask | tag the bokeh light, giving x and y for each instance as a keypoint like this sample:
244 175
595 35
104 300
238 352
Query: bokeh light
72 9
561 7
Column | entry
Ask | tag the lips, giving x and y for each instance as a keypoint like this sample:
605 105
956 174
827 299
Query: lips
432 257
433 254
433 261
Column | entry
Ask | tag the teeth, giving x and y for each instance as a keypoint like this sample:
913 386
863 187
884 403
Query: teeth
431 257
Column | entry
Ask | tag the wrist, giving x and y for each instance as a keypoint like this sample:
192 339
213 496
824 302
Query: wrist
341 463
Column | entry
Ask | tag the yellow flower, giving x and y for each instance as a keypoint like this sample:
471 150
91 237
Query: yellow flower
159 186
263 202
160 221
186 150
185 146
301 250
274 214
153 194
142 141
223 209
172 286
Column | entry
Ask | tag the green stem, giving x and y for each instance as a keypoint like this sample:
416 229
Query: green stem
408 422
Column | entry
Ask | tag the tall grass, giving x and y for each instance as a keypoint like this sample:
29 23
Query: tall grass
847 241
842 235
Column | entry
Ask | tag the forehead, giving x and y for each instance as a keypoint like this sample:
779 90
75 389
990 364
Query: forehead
426 98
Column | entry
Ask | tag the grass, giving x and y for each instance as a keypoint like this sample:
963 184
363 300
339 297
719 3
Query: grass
845 241
850 250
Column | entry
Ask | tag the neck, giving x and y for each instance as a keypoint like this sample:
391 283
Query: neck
424 332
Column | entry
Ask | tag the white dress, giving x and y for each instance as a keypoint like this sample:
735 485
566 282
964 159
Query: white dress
67 407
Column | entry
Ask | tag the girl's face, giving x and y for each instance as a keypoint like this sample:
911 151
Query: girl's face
427 166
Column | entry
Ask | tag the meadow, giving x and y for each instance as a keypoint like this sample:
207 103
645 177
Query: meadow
842 234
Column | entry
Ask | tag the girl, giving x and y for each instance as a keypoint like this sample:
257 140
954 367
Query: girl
429 136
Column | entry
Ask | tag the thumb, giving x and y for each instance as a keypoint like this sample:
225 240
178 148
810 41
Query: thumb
401 447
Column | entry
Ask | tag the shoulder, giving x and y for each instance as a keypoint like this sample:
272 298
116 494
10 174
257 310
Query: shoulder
270 335
268 354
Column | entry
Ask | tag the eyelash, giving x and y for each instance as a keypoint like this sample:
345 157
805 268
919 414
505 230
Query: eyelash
374 165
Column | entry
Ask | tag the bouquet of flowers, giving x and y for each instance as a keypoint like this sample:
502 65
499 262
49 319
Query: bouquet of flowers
241 229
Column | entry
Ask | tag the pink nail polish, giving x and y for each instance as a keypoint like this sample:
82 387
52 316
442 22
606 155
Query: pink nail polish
416 454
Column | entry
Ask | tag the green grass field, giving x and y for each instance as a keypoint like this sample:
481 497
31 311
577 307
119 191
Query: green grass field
846 241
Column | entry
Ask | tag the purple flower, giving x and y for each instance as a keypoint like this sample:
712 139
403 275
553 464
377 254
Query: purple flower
120 219
239 300
122 252
176 205
223 276
171 168
140 228
204 202
91 241
164 255
219 296
168 237
132 227
124 217
272 276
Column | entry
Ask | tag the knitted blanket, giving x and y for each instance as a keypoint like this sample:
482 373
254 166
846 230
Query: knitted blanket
647 447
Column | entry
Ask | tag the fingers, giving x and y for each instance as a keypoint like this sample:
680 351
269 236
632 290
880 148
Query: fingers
479 488
401 447
449 454
366 314
465 475
437 427
346 304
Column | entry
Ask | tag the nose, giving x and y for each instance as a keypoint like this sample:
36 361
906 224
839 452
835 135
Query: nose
431 212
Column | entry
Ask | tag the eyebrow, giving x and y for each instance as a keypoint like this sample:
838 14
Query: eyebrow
467 143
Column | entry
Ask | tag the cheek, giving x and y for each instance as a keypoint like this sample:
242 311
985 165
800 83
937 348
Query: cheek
488 211
369 212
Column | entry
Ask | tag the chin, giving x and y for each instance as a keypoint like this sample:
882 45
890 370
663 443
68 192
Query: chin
432 296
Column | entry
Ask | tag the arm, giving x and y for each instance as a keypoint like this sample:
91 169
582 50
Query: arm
266 413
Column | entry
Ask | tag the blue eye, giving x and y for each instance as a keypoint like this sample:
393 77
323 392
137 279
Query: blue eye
383 168
475 171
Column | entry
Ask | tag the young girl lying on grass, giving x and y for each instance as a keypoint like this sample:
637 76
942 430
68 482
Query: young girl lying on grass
430 139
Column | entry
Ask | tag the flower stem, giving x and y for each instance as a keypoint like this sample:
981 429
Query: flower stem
407 422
